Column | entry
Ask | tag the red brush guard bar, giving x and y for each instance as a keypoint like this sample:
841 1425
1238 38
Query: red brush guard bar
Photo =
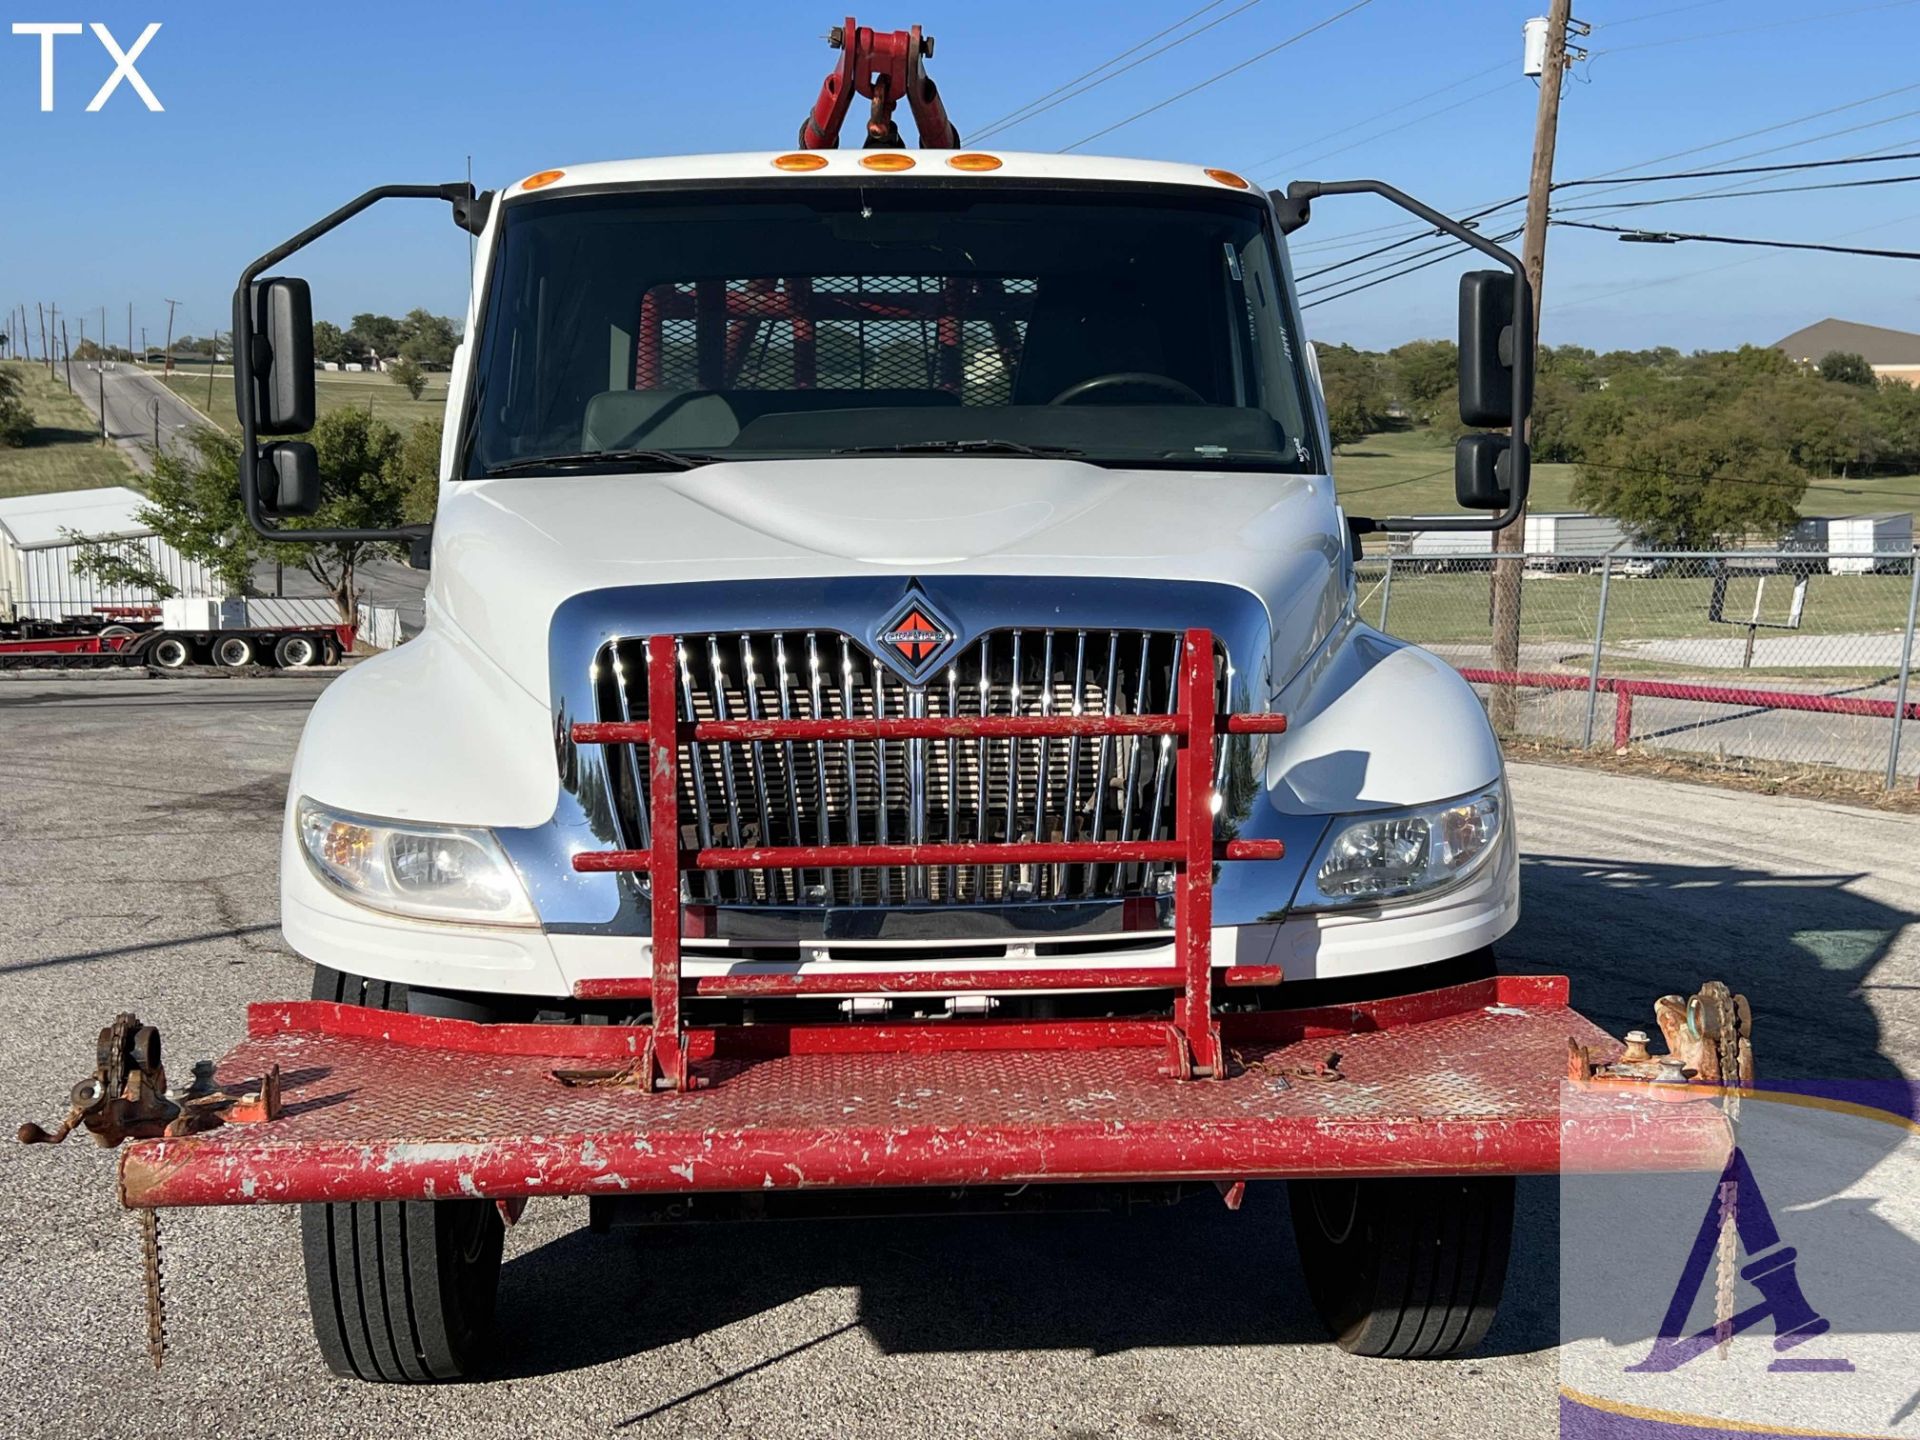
1193 1037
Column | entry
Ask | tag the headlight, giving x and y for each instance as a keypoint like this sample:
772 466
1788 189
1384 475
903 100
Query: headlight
438 872
1400 853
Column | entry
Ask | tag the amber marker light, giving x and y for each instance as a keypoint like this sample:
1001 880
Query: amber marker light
887 160
800 160
973 160
541 180
1227 177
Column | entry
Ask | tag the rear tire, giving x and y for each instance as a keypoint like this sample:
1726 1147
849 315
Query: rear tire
1409 1269
234 652
402 1292
295 652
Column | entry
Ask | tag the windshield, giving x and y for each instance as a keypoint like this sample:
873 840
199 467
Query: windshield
667 330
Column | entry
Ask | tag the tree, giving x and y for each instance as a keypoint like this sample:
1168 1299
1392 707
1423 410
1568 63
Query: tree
16 420
428 338
1356 392
194 505
376 334
1697 483
1844 368
417 470
359 490
408 375
1426 376
330 343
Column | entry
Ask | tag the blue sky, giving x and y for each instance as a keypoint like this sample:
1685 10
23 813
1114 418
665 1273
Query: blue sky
277 112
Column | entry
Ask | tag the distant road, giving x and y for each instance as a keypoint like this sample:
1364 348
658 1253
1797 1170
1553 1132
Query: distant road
136 404
133 398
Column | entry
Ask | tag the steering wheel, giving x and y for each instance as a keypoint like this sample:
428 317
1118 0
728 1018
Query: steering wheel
1141 379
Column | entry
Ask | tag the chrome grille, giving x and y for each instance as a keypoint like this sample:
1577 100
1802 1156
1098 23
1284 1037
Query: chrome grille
867 791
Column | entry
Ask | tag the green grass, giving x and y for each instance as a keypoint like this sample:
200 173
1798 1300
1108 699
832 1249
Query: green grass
1410 472
333 390
1443 608
64 451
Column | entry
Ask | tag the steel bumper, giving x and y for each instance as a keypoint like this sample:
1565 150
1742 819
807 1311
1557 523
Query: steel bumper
381 1106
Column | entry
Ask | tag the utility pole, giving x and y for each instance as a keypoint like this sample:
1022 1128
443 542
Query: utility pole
53 319
1504 700
167 369
211 359
67 354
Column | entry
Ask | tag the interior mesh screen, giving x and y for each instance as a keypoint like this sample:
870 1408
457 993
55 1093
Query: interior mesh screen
963 335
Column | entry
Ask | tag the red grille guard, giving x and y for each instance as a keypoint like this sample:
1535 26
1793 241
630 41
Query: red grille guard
1193 1036
332 1102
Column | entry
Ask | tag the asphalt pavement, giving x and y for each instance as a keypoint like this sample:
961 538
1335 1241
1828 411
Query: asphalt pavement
138 824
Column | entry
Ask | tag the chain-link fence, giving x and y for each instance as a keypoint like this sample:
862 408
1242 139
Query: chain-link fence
1756 658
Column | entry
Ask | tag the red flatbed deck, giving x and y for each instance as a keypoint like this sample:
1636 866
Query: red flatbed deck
391 1107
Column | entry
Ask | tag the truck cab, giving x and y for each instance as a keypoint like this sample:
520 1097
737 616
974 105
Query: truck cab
948 435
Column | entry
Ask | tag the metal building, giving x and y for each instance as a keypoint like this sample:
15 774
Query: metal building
38 549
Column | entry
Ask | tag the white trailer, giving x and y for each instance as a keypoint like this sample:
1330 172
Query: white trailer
1870 544
42 536
1564 540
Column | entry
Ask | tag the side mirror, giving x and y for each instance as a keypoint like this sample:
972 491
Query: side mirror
287 478
281 365
1486 348
1482 471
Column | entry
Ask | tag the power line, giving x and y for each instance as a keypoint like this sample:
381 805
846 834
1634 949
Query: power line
1036 107
1867 159
1397 244
1663 473
1669 237
1755 29
1456 250
1420 119
1377 115
1657 14
1612 292
1214 79
992 125
1614 207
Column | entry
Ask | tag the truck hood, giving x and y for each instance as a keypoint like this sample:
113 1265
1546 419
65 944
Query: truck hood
507 552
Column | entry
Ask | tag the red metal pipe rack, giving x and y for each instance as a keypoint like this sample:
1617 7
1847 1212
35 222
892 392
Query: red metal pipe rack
1193 1035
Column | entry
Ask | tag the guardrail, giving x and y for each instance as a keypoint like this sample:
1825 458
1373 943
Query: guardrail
1723 647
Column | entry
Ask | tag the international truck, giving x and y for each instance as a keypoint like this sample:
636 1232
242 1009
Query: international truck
891 734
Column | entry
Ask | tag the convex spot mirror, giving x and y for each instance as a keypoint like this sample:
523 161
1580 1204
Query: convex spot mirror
1482 472
288 478
281 361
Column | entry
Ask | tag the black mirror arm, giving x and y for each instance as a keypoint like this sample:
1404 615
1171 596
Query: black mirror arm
1304 192
247 358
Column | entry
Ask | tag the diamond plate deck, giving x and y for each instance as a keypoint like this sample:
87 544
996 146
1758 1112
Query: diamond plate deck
383 1106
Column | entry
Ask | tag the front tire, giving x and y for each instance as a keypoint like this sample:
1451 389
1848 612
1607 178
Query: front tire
401 1292
169 652
1409 1269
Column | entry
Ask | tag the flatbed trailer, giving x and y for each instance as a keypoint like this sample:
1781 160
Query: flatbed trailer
109 641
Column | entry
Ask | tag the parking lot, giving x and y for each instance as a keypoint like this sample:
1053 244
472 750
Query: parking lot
138 849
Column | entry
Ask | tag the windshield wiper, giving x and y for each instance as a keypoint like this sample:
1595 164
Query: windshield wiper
966 447
664 459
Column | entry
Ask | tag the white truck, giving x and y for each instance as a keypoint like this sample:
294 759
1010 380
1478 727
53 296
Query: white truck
891 731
